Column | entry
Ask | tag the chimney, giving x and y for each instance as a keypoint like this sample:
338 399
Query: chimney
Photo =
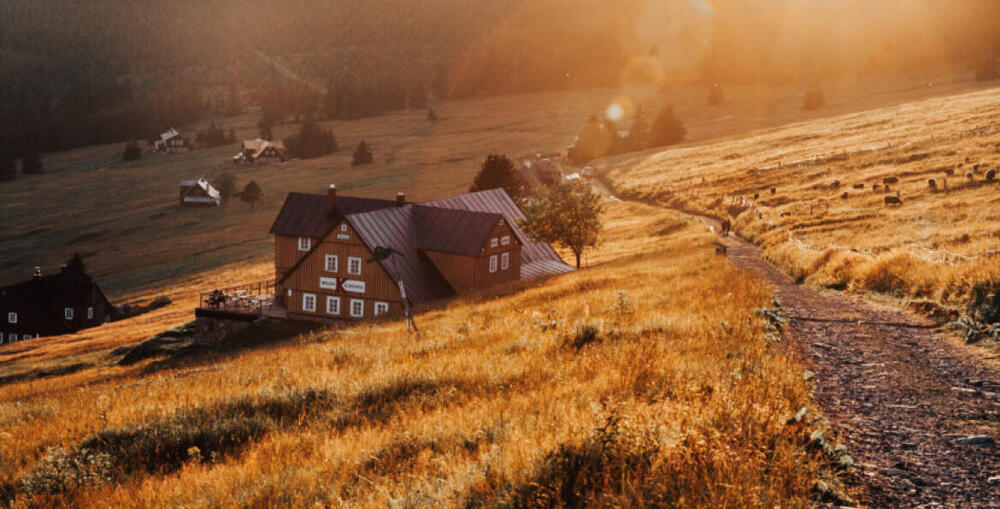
331 200
400 199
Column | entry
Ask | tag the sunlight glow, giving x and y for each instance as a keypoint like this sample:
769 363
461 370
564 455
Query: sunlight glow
615 112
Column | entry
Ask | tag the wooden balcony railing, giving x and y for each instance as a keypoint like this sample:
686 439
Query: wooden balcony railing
254 298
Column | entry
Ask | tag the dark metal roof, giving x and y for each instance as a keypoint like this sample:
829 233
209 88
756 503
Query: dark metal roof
394 227
453 231
496 200
304 215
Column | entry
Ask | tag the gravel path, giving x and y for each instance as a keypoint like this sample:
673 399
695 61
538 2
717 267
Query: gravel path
919 414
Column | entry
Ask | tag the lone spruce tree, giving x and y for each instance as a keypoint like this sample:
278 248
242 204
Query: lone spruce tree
496 172
362 154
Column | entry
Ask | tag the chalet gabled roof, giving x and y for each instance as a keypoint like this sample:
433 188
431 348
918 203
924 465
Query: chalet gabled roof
497 200
453 231
304 215
394 227
256 147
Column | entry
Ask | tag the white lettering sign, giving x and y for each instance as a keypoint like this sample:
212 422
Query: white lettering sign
328 283
351 285
343 236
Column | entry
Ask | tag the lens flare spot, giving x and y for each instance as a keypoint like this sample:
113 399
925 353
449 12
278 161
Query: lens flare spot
615 112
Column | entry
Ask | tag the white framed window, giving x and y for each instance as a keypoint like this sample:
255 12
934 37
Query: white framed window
504 261
333 305
11 317
343 227
381 308
68 313
305 243
494 242
357 308
309 302
354 266
505 240
493 263
331 263
90 313
13 337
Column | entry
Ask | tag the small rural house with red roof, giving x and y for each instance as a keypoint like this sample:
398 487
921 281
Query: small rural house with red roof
260 151
346 258
199 193
51 305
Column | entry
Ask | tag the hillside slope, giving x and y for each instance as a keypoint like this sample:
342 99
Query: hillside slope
647 379
824 222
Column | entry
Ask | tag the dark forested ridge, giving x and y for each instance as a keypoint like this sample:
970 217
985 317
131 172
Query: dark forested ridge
78 72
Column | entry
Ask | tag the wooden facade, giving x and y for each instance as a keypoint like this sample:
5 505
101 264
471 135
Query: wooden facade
469 273
303 273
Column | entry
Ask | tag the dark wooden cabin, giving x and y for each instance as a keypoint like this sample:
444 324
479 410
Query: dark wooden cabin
51 305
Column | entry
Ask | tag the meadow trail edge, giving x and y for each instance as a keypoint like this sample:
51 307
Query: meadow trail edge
920 415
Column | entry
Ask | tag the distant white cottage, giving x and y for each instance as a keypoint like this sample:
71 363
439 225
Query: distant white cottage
260 151
199 193
171 142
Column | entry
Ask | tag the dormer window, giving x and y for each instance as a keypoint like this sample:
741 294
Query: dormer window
68 313
305 243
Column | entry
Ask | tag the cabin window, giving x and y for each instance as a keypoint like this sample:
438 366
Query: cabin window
504 261
381 308
305 243
11 317
333 305
331 263
343 227
13 337
493 263
494 242
1 338
354 266
505 240
357 308
68 313
90 313
309 302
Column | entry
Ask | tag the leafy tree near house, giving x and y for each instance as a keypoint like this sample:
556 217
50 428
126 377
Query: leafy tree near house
362 154
498 172
567 214
667 128
251 193
132 152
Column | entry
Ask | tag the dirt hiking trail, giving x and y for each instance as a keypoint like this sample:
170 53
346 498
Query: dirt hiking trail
919 415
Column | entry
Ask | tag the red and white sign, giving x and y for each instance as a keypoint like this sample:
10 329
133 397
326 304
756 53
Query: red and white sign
353 286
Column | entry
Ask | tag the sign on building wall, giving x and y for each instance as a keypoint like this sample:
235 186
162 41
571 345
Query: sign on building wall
351 285
328 283
343 236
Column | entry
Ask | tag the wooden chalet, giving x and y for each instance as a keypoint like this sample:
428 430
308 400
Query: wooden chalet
199 193
172 142
347 258
51 305
260 151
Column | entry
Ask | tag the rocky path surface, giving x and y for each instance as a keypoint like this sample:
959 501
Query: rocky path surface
918 413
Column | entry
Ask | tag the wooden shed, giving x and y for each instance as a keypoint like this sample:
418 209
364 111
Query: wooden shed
199 193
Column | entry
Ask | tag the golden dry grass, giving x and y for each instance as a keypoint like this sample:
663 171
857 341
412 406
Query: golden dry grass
678 400
914 251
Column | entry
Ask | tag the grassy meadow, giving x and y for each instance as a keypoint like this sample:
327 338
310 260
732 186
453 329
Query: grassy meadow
824 222
125 219
647 379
